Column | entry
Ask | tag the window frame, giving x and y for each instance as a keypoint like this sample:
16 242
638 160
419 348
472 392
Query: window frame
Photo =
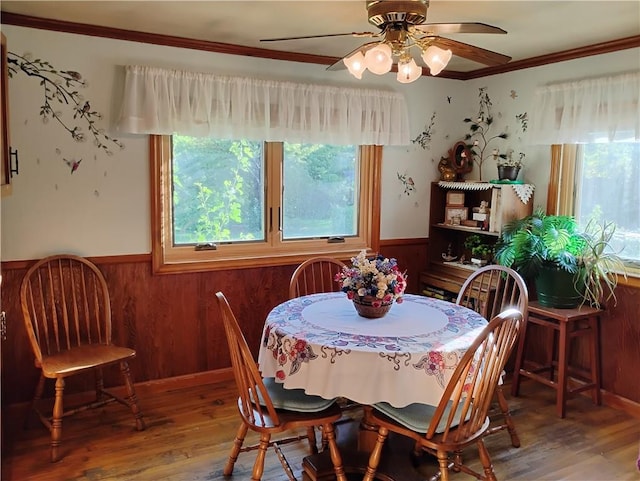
168 259
563 179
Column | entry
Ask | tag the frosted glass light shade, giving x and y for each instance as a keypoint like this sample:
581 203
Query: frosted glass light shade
355 64
436 58
408 71
379 59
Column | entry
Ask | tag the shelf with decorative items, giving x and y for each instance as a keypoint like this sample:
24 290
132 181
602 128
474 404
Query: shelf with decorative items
465 220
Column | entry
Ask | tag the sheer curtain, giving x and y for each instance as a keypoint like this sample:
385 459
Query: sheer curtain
161 101
580 111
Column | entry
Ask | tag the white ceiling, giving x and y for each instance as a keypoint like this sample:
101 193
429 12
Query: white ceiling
534 27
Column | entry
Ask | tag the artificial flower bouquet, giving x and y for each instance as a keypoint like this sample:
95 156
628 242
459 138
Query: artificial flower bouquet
378 278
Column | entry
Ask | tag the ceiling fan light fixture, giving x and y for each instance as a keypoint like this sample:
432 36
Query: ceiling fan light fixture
355 64
408 71
436 59
379 59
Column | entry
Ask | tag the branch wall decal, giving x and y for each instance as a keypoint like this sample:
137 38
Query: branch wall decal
60 88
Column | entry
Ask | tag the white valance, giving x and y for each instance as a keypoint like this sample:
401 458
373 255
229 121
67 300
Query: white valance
585 110
161 101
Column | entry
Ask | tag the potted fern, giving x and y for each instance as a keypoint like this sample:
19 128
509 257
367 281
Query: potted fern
570 266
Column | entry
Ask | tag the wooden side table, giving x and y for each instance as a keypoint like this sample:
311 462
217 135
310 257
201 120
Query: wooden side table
562 326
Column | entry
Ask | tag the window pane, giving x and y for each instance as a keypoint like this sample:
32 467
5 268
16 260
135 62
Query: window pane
218 190
320 191
609 189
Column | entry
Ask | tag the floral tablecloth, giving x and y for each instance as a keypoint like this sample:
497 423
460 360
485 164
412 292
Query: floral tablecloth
320 344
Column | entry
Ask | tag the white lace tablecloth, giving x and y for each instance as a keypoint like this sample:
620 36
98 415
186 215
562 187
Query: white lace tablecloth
320 344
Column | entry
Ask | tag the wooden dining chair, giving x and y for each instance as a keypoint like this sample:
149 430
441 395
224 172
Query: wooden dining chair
267 408
67 314
460 418
315 275
489 291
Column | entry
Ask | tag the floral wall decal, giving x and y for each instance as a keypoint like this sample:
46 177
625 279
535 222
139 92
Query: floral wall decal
407 183
479 132
60 89
424 139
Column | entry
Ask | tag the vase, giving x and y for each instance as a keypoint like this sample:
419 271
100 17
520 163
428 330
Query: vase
508 172
365 307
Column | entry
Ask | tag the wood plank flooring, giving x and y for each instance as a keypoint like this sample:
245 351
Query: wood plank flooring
190 430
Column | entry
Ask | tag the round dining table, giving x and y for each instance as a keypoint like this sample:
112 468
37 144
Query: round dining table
320 344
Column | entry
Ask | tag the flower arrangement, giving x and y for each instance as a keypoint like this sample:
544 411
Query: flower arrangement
378 277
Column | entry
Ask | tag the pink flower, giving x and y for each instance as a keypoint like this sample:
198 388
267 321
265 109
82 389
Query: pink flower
280 375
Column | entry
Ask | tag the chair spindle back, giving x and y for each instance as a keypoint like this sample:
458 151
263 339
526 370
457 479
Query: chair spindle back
66 304
468 394
254 401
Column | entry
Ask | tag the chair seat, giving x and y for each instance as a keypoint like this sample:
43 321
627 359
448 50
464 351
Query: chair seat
77 359
294 399
417 417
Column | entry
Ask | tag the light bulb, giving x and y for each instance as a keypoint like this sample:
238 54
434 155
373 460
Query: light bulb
436 58
355 64
408 71
379 59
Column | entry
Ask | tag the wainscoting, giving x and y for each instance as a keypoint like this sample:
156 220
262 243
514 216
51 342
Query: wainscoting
171 320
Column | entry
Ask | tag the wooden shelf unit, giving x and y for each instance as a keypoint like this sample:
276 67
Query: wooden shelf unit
505 205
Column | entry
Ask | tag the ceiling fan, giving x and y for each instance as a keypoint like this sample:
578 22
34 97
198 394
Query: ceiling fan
402 26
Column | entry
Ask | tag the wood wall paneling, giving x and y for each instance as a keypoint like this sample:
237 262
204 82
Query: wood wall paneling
171 320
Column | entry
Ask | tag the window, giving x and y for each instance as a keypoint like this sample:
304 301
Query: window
608 188
221 203
600 181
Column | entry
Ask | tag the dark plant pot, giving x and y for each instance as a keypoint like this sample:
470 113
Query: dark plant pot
508 172
557 288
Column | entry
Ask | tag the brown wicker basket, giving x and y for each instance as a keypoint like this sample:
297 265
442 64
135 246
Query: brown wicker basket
365 308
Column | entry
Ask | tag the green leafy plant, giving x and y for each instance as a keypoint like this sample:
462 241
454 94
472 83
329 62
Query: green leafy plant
479 249
556 241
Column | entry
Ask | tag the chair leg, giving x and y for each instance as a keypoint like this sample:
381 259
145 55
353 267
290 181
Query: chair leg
311 436
235 450
258 466
504 408
374 458
99 385
56 421
37 396
485 459
443 462
131 396
334 452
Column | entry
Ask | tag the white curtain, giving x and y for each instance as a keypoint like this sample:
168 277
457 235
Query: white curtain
160 101
582 111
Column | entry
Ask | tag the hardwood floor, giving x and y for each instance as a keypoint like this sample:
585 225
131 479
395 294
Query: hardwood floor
190 430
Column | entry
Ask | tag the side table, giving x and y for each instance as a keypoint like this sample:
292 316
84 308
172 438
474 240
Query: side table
562 325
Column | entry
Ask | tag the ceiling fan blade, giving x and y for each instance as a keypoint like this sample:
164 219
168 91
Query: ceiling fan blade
471 52
464 27
339 65
352 34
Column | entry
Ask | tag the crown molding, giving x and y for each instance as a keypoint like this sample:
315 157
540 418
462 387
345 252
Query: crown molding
232 49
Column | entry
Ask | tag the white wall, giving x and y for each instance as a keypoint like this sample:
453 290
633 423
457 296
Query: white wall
103 207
